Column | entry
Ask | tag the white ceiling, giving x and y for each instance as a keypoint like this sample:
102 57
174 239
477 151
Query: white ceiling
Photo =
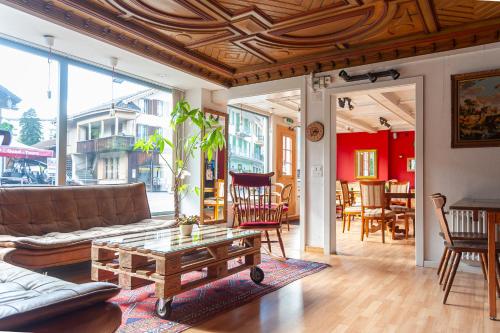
283 104
24 27
395 104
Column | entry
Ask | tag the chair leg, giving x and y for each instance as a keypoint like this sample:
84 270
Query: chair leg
407 227
393 229
496 279
287 221
441 262
349 224
483 265
452 276
281 242
449 254
447 277
268 242
362 228
343 223
383 231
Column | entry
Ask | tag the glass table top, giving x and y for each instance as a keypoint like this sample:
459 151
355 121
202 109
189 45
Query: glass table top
170 240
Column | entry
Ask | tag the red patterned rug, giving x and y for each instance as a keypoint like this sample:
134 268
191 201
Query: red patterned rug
195 306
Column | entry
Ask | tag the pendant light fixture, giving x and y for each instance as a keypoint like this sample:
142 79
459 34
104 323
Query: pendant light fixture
49 40
114 63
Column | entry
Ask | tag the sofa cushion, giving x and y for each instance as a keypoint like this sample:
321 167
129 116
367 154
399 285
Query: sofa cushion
26 296
63 239
37 211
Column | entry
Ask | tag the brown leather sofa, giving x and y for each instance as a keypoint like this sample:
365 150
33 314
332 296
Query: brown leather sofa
32 302
52 226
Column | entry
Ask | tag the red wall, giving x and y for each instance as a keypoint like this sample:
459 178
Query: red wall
390 166
399 150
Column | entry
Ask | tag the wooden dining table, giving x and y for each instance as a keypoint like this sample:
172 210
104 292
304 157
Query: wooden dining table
492 209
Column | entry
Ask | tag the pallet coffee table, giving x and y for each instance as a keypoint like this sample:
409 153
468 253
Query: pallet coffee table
162 256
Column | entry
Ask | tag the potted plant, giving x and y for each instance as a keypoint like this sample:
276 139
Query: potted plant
205 133
186 224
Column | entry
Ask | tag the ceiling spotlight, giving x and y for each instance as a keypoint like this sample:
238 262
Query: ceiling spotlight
384 122
343 101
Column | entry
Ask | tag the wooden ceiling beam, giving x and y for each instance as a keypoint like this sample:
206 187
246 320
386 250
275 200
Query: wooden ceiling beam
254 109
393 106
359 124
428 14
283 104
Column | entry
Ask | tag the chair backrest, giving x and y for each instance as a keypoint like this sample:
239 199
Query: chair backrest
439 201
372 194
346 200
277 188
252 196
286 194
399 187
219 189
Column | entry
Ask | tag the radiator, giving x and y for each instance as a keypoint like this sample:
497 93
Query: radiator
461 220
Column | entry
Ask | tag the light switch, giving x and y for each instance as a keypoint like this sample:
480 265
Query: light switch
317 171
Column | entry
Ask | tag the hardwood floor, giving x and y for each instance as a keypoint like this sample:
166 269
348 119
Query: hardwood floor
370 287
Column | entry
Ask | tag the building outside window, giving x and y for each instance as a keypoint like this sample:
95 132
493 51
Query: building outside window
248 146
102 132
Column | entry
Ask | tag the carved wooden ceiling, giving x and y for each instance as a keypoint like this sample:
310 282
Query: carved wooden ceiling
237 42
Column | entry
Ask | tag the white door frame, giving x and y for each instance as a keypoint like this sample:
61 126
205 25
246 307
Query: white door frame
270 87
329 109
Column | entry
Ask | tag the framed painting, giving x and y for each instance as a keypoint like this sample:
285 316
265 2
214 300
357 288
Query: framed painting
476 109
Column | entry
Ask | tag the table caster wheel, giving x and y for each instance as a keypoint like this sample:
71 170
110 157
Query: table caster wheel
256 274
163 308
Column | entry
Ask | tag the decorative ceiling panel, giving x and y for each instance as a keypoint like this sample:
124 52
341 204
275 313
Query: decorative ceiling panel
235 42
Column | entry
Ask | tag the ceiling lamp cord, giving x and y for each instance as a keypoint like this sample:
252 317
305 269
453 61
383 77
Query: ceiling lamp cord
49 40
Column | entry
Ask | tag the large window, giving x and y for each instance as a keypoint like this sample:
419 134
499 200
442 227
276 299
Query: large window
29 102
106 114
248 145
105 121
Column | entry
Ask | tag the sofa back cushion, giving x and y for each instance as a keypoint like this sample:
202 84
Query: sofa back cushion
26 211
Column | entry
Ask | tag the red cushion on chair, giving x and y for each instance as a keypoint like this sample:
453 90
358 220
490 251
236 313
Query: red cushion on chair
256 224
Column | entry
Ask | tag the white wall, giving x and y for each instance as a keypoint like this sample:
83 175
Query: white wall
199 98
455 172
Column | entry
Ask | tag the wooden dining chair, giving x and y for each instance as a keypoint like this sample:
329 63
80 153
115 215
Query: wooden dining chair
399 187
252 198
217 200
285 195
458 236
458 247
373 207
349 210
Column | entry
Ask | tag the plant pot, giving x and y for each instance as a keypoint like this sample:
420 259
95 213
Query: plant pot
186 229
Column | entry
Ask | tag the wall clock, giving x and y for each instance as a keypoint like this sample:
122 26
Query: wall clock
315 131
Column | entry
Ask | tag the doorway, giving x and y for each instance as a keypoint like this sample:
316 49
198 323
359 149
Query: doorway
343 119
276 145
286 165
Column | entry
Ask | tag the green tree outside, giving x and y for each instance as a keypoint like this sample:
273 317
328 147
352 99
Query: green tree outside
31 128
6 127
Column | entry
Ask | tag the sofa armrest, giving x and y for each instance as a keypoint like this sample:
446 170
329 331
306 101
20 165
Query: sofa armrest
5 253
